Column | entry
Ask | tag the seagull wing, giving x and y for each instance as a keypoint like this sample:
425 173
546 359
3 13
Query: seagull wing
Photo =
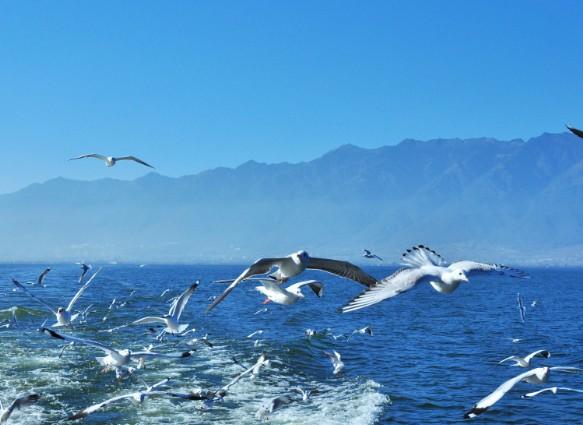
342 268
149 319
400 281
42 276
314 285
82 341
178 305
90 155
80 291
133 158
84 269
34 297
474 267
535 393
488 401
261 266
538 353
150 355
94 408
575 131
18 404
566 369
508 359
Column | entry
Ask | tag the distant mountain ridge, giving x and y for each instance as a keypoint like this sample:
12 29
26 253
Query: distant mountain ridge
495 200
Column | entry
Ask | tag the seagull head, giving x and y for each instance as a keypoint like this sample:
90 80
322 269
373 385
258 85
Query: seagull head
298 292
60 310
460 276
303 255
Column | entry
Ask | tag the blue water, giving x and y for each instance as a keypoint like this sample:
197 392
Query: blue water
431 358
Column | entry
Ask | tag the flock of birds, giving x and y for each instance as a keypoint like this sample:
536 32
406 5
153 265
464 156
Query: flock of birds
420 264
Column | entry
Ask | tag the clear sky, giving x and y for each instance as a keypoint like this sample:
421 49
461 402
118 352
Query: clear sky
189 85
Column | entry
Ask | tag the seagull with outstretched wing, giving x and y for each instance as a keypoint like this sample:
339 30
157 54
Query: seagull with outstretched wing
17 404
172 319
64 315
422 264
525 361
293 265
110 161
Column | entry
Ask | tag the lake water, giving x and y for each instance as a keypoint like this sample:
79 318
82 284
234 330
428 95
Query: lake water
430 359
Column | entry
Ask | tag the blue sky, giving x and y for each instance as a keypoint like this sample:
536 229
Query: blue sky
193 85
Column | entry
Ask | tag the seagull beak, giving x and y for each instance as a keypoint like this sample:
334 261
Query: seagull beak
465 278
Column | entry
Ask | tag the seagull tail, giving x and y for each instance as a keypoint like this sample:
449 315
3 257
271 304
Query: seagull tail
421 255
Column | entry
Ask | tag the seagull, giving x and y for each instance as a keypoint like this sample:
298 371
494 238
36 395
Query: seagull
40 280
117 360
369 254
336 361
293 265
204 340
11 323
110 161
424 264
261 362
84 269
367 330
271 406
17 404
553 390
252 334
525 361
138 397
288 295
173 317
575 131
540 375
521 308
64 315
306 394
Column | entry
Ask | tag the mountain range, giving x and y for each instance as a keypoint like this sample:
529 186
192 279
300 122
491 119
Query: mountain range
513 201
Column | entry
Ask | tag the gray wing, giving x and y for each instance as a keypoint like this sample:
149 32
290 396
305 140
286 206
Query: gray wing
80 292
150 355
488 401
34 297
90 155
400 281
575 131
94 408
473 267
314 285
84 269
178 305
342 268
88 342
567 369
18 404
43 275
133 158
148 319
261 266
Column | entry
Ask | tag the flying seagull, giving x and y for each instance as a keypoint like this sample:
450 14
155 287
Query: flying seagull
271 406
367 330
117 360
17 404
274 292
424 264
369 254
84 269
261 362
538 376
521 307
40 280
336 361
293 265
575 131
525 361
64 316
171 320
306 394
138 397
110 161
553 390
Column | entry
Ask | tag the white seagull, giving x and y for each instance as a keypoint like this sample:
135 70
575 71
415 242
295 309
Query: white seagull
17 404
293 265
423 264
538 376
171 320
262 362
271 406
306 394
367 330
110 161
336 361
274 292
553 390
525 361
521 307
64 316
368 254
117 360
138 397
